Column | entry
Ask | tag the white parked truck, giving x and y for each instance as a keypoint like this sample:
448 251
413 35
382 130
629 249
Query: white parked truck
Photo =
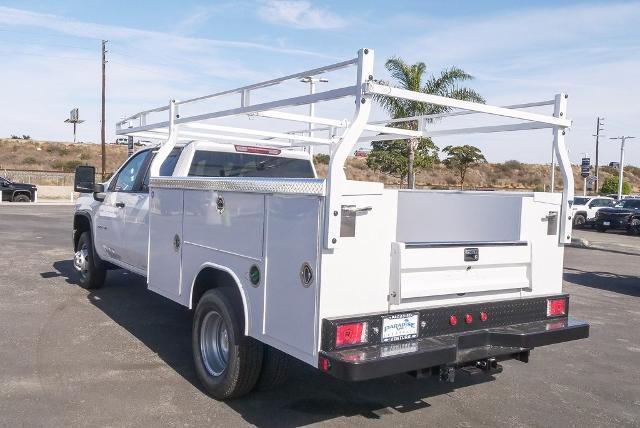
227 217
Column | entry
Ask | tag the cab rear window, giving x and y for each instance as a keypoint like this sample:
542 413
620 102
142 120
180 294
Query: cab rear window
222 164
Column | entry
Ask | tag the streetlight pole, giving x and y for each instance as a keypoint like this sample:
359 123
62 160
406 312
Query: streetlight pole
599 125
621 166
312 90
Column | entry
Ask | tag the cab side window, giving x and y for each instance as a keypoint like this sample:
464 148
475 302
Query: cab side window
129 178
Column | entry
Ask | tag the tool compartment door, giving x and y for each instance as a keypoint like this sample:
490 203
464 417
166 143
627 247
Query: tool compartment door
292 240
165 241
423 270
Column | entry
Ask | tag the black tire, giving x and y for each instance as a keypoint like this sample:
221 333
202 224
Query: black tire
634 226
21 198
94 276
579 220
244 356
275 369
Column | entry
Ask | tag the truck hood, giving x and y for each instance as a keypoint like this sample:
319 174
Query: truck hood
617 211
18 186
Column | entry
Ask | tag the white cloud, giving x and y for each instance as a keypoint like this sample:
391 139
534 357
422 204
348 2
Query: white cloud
299 14
145 69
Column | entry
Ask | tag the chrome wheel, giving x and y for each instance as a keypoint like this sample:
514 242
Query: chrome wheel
81 261
214 343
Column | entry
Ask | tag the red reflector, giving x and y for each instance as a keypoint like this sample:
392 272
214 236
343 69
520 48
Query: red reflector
258 150
468 318
483 316
453 320
556 307
351 334
325 364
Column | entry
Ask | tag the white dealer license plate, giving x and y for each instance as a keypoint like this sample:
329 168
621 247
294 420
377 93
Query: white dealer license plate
606 223
399 327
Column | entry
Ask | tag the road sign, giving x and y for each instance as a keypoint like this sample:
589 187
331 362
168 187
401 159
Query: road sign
585 170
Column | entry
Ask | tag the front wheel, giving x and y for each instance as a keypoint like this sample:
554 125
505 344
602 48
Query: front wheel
21 198
227 362
578 221
91 275
601 228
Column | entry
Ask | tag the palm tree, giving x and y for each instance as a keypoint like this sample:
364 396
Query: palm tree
411 77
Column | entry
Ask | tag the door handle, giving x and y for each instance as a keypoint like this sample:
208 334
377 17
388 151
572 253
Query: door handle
120 204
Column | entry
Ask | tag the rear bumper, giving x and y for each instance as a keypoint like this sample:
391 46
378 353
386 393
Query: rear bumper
450 350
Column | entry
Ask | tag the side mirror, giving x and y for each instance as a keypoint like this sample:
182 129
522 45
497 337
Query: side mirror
98 192
85 179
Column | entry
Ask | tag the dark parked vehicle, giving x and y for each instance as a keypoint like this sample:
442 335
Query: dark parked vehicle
624 215
17 192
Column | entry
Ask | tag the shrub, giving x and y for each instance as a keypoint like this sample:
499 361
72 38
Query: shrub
26 137
29 160
322 159
610 185
14 137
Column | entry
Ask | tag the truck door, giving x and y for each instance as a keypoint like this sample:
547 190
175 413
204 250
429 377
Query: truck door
136 211
112 236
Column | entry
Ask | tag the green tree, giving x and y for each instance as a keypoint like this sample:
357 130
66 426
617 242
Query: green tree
461 158
610 185
412 77
391 157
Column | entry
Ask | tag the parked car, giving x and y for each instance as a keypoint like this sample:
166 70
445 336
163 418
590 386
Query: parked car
624 215
585 209
17 192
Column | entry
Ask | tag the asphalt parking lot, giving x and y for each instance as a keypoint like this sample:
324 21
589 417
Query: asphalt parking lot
121 356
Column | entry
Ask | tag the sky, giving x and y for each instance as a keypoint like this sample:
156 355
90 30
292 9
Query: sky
517 51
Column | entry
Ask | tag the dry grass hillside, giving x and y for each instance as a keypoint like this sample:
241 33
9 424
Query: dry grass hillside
64 157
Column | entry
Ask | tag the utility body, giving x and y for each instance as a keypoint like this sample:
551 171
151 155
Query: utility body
227 217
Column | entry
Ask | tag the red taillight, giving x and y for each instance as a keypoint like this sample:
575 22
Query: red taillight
556 307
483 316
468 318
325 364
453 320
258 150
351 334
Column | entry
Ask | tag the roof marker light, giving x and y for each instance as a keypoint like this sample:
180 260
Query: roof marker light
257 150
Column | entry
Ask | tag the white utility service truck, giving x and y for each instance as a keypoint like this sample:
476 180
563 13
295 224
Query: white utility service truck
227 217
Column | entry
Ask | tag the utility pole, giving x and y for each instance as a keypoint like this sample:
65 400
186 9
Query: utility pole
312 90
599 127
102 136
621 167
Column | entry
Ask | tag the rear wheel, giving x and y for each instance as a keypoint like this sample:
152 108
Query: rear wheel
634 226
579 221
91 275
227 362
275 369
21 198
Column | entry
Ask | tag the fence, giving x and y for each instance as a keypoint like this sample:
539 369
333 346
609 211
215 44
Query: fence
39 177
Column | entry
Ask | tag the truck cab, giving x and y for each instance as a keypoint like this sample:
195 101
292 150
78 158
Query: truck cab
119 215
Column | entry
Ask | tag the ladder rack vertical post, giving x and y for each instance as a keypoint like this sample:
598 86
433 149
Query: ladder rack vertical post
169 144
336 179
560 111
